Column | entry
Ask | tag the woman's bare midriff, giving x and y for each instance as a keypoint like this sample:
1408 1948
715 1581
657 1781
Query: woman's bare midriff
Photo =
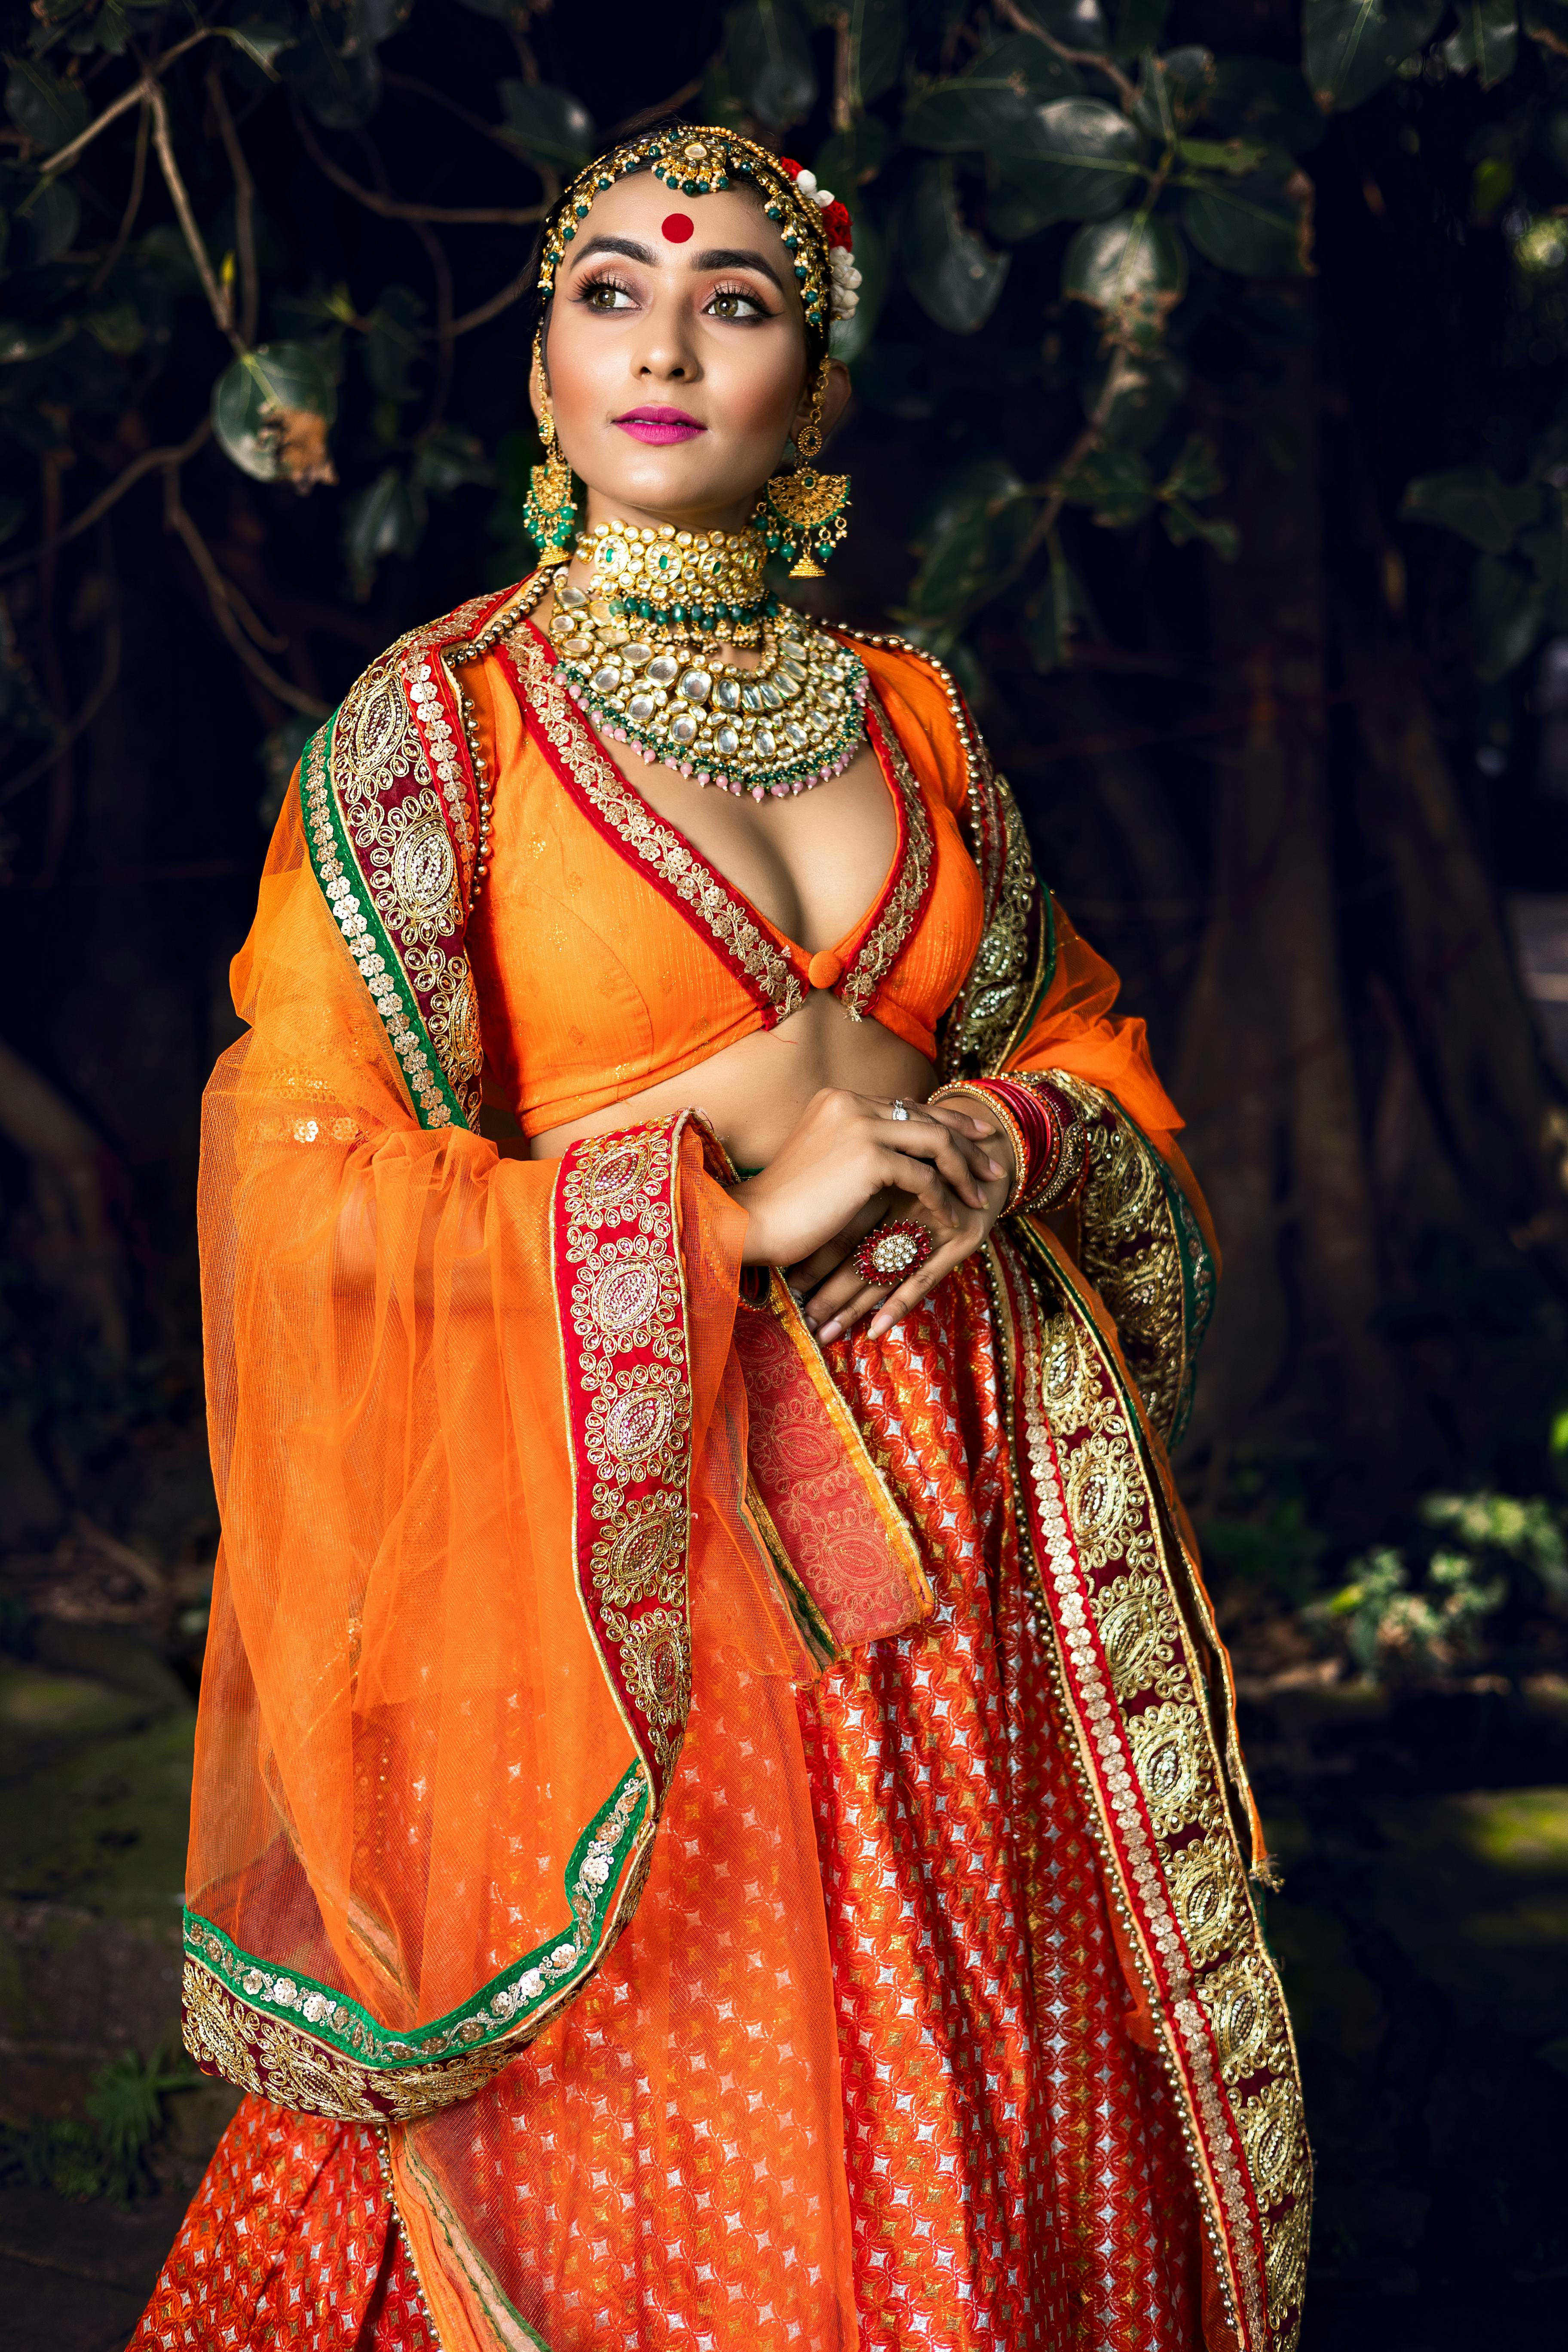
754 1092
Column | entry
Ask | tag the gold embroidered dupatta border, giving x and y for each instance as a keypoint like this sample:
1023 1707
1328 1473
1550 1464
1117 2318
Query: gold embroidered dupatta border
620 1284
1133 1695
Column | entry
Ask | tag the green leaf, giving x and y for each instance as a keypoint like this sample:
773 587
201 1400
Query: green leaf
1145 397
546 124
953 274
1508 613
876 50
1120 28
992 106
1077 23
49 111
1136 25
1133 271
971 530
391 340
53 214
1116 483
1488 39
1196 473
1259 226
263 32
767 52
1083 153
850 337
1546 21
262 411
118 327
387 519
1473 501
851 158
1351 48
1173 90
1237 157
1181 524
1052 616
1254 98
19 343
341 86
450 457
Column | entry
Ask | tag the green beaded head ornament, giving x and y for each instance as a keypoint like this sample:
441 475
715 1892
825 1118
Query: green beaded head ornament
698 160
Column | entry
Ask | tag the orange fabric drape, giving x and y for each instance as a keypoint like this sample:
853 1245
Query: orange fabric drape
404 1724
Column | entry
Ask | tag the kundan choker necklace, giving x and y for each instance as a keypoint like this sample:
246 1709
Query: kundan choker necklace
632 651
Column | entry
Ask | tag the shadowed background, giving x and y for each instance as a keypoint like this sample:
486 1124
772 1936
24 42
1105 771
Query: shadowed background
1209 421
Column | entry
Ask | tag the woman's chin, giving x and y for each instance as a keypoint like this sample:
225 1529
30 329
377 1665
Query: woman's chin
671 480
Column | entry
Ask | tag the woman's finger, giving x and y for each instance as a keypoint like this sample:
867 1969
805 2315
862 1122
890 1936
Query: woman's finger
888 1307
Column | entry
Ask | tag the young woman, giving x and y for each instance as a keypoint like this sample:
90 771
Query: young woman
718 1822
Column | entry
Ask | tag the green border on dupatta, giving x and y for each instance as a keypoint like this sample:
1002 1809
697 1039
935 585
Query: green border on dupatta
337 870
510 1999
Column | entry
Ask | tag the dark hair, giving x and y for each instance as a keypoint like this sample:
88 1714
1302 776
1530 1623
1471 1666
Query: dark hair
817 345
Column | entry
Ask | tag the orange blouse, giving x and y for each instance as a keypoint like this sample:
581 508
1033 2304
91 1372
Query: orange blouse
597 985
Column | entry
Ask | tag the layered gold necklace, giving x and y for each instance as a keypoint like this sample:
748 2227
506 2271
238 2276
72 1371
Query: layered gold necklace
635 650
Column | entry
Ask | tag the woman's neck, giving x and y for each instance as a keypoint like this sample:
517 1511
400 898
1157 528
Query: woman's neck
730 517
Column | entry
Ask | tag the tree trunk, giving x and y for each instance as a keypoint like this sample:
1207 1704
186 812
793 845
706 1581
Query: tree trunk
1266 1075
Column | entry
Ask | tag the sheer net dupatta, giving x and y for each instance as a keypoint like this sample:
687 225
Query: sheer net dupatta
473 1420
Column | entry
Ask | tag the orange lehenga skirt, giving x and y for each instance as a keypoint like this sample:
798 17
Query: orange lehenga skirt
1015 2171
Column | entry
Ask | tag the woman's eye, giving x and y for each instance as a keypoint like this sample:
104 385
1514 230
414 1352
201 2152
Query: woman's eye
730 302
605 296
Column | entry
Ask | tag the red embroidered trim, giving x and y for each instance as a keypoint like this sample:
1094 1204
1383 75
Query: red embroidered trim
622 1307
617 811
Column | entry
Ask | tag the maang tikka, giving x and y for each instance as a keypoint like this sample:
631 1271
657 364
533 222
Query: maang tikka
803 515
550 509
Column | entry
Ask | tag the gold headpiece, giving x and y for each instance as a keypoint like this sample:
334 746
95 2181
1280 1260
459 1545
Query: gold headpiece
697 160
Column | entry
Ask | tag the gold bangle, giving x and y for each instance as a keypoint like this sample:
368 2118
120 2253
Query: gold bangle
1010 1128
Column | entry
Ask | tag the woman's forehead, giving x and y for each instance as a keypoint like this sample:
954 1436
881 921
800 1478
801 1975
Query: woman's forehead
677 228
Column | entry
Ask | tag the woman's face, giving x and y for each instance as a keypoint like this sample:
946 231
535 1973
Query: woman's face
676 353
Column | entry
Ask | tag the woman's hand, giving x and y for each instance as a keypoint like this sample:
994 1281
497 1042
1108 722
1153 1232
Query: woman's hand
845 1156
834 1292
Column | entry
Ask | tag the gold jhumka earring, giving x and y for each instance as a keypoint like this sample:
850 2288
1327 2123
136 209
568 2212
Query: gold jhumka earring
803 515
550 509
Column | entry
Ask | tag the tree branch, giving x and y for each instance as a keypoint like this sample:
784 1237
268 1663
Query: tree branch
243 206
221 307
395 208
139 92
85 715
1126 91
223 599
105 269
148 462
514 291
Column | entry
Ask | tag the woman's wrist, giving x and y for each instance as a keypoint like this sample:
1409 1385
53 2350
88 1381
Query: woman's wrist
1048 1143
1003 1136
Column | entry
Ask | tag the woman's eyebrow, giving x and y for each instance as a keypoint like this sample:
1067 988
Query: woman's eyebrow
626 245
735 257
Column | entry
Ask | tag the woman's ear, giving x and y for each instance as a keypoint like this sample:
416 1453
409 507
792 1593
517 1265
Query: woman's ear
835 398
538 388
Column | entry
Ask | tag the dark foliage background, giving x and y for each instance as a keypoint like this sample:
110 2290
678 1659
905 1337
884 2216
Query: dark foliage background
1210 420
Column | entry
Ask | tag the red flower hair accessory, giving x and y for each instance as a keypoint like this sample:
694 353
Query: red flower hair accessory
840 231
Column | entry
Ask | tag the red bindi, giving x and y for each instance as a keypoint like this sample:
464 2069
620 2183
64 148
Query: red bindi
677 227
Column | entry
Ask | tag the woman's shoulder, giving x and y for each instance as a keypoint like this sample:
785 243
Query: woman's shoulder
924 705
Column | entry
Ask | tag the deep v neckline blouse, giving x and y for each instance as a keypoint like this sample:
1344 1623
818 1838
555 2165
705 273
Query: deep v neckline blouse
621 955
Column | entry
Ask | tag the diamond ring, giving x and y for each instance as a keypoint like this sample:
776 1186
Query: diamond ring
900 1108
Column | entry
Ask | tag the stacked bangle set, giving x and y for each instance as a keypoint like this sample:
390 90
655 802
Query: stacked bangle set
1050 1144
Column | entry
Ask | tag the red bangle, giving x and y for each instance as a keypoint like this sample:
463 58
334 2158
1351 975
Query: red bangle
1050 1147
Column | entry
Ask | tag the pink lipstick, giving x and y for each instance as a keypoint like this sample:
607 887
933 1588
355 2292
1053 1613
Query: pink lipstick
659 426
